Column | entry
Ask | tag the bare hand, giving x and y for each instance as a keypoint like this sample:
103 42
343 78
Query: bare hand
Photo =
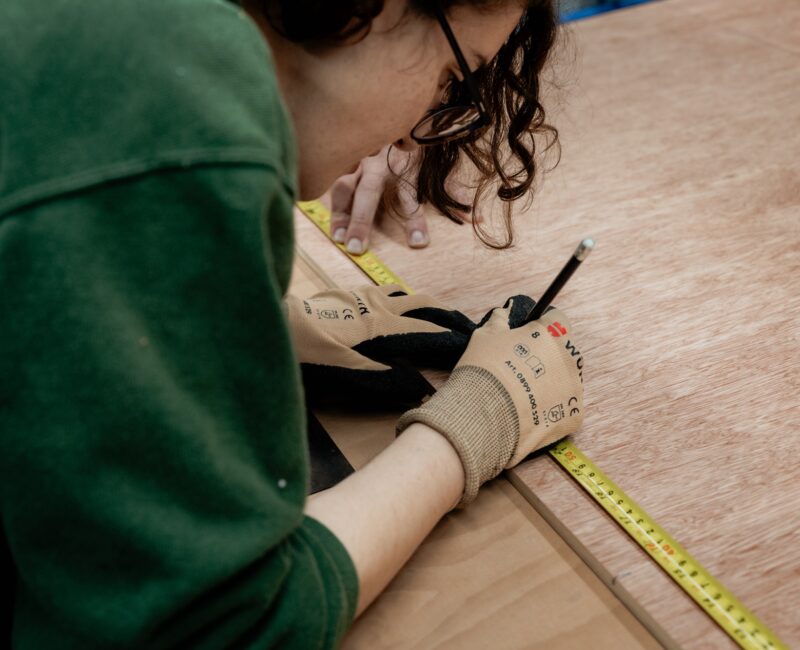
356 200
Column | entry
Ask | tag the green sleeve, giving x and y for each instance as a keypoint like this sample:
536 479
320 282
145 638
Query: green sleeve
153 450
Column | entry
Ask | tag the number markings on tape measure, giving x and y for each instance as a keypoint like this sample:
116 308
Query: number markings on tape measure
720 604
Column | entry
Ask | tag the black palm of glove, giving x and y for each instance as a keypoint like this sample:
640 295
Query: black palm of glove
361 347
521 306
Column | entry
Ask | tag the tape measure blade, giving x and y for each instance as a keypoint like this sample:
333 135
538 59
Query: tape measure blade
707 591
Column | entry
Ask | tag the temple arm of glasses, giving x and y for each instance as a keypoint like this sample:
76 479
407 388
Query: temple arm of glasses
469 79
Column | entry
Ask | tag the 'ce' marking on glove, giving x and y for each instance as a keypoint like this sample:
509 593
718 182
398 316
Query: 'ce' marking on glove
574 410
347 314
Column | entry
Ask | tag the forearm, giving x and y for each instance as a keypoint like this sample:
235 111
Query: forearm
382 513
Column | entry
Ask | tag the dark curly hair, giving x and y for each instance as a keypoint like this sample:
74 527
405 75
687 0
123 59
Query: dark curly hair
504 153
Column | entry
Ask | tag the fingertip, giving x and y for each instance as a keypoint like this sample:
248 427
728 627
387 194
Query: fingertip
356 246
498 318
418 239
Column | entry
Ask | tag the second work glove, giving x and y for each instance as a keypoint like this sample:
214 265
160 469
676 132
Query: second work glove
516 389
361 347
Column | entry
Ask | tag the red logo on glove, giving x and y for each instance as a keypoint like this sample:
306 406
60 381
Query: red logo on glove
557 329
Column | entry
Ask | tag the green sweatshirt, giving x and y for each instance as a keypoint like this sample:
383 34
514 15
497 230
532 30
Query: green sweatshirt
153 466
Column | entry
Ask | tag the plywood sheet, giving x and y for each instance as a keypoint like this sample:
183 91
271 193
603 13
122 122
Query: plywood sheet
495 575
680 124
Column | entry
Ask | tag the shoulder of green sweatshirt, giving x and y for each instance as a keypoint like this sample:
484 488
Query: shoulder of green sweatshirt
153 439
101 89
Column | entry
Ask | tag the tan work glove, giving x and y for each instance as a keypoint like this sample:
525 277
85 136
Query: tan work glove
362 347
513 391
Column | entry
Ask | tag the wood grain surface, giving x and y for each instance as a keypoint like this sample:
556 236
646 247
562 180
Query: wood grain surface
680 125
495 575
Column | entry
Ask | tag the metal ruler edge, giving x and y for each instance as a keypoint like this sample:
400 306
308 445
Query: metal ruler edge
714 599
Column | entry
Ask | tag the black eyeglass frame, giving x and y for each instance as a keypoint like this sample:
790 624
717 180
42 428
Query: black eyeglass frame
472 87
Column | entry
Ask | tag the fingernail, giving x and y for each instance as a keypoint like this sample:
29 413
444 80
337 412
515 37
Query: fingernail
355 246
418 238
338 236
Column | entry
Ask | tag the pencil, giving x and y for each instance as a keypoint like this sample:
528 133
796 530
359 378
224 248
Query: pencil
580 254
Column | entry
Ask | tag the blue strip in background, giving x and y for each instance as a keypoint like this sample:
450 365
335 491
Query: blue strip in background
568 13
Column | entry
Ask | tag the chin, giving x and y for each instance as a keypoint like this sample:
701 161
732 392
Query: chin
313 188
314 183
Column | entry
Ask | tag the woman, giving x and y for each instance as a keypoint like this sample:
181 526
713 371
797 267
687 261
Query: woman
153 461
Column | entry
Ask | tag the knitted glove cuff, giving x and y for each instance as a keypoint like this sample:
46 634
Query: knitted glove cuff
476 414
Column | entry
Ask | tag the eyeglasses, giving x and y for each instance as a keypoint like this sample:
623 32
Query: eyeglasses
456 120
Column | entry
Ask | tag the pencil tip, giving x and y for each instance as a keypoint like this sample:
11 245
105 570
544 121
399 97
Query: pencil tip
584 248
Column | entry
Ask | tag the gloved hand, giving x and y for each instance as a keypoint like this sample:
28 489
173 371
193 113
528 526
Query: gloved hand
358 347
514 390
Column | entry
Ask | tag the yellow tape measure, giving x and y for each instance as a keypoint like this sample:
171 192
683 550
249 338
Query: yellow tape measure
720 604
